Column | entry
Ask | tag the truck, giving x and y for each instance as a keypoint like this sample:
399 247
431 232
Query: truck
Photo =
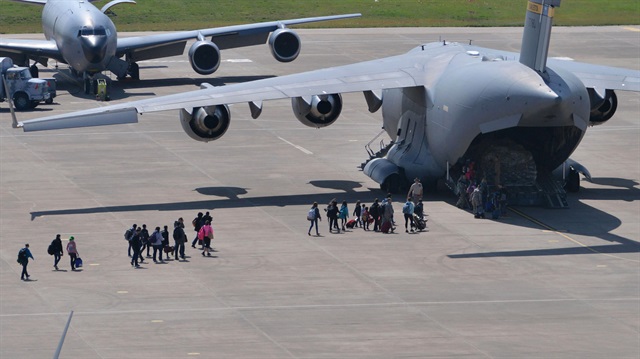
25 91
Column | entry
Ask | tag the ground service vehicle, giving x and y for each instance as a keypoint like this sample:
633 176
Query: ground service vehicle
25 91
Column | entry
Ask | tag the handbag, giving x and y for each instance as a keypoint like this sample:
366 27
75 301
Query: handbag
78 263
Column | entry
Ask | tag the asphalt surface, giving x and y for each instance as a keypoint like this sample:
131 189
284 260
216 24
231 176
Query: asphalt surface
536 284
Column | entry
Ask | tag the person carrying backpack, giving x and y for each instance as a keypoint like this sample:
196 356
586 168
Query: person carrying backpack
407 210
128 235
23 259
197 223
55 249
313 216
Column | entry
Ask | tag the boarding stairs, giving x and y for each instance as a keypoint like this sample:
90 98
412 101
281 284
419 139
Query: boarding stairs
384 149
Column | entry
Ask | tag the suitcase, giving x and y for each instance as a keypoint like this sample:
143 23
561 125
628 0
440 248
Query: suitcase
385 227
351 223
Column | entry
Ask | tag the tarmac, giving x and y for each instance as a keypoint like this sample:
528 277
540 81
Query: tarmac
536 284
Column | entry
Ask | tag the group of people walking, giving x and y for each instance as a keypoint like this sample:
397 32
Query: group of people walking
379 215
140 240
56 250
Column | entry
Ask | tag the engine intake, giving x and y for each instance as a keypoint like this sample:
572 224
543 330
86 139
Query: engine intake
206 123
602 107
320 111
285 45
204 57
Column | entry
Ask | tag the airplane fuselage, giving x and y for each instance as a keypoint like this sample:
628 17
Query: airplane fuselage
484 103
86 37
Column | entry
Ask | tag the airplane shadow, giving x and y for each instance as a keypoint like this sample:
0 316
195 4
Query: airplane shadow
606 222
229 197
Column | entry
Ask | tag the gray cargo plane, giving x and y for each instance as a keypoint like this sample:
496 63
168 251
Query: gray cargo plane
81 35
518 117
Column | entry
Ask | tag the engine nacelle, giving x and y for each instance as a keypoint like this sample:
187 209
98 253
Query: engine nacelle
206 123
602 107
320 111
204 57
285 45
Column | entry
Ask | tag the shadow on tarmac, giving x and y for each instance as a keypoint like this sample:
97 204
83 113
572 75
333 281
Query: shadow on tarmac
345 190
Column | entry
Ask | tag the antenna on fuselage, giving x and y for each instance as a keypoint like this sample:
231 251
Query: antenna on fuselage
537 33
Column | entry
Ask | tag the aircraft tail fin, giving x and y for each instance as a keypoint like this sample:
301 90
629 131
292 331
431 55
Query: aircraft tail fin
537 32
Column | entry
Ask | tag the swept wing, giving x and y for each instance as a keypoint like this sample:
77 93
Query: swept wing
171 44
391 72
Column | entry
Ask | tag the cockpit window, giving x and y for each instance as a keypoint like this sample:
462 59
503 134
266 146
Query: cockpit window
90 31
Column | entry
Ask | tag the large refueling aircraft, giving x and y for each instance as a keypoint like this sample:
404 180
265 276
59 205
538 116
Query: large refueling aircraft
83 36
517 117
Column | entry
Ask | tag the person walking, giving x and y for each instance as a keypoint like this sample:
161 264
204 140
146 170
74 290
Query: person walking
179 238
357 212
72 251
136 245
407 210
314 216
374 211
365 218
415 191
156 241
343 214
207 236
144 238
332 214
57 252
165 241
23 259
197 223
128 234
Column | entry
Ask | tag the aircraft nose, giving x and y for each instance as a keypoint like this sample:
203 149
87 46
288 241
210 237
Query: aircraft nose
94 48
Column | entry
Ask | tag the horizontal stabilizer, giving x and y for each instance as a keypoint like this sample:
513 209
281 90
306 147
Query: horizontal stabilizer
115 117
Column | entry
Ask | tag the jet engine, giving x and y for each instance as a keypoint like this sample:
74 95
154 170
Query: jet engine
205 123
320 111
284 44
602 107
204 57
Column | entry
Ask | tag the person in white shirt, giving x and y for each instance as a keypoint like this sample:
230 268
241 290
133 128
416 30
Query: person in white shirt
415 191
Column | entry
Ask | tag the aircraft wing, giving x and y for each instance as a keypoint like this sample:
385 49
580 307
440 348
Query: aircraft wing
592 76
17 48
392 72
172 44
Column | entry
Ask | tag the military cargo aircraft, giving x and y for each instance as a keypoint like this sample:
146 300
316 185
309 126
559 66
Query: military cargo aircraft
83 36
518 117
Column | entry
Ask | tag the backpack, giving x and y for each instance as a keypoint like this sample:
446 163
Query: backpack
406 208
176 234
127 234
22 256
50 249
311 215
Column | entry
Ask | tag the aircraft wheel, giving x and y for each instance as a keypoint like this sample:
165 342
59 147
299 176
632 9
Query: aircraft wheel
33 69
573 181
134 71
392 184
21 101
